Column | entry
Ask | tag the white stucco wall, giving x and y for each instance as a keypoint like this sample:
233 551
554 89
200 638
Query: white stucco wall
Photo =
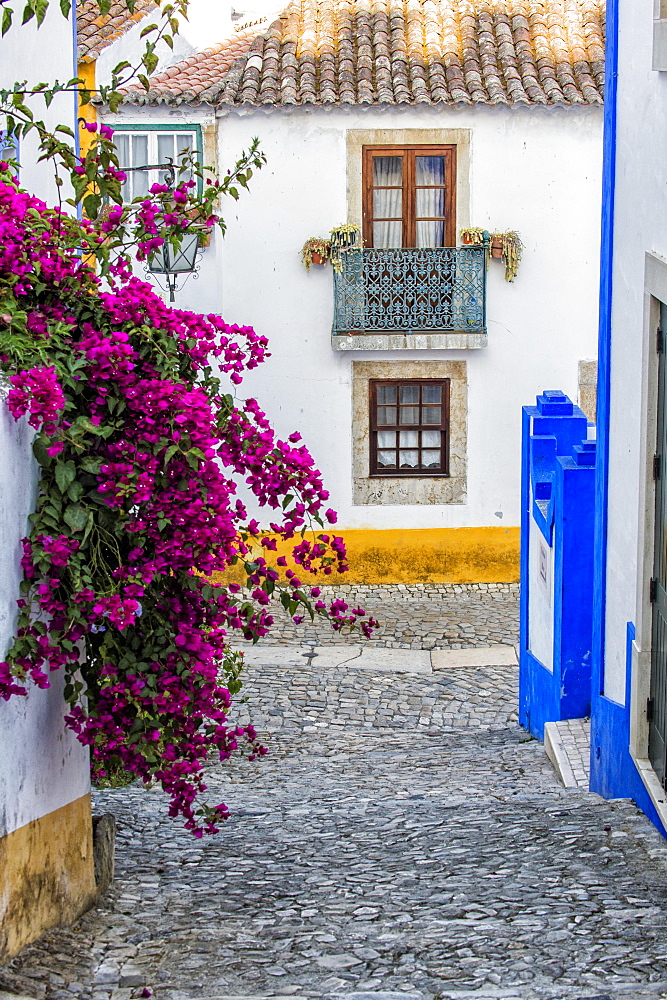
641 211
42 764
40 55
534 170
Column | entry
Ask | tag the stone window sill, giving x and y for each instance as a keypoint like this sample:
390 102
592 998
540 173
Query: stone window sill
454 341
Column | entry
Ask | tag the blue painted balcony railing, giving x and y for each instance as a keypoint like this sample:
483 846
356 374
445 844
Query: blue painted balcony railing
411 291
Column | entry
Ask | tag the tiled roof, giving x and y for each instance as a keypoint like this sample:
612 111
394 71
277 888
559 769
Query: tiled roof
95 31
384 52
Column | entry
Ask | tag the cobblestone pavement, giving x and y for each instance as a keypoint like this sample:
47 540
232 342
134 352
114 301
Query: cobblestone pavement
308 688
366 861
418 616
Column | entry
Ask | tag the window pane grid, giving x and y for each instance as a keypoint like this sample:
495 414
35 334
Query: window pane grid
409 428
409 198
136 149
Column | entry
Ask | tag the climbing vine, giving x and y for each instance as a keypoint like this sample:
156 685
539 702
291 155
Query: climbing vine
142 442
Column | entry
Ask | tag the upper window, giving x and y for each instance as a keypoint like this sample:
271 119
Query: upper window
409 427
137 148
409 196
9 146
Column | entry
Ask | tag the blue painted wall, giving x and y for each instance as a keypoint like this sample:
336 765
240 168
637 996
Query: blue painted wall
613 771
557 500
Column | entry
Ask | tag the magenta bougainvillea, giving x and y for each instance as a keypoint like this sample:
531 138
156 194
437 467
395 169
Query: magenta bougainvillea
141 444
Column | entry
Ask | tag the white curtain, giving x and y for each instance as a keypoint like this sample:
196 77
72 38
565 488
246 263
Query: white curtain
430 201
388 201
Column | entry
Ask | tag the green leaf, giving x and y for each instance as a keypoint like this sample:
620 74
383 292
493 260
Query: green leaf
83 423
76 517
65 474
6 19
92 204
75 491
89 527
91 465
150 61
40 453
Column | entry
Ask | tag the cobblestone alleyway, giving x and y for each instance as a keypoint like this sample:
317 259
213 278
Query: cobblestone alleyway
403 839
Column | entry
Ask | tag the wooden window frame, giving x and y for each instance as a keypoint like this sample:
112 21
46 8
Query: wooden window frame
416 473
409 154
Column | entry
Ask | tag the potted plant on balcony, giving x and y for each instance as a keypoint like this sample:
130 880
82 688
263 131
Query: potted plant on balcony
316 250
474 236
512 252
496 246
508 247
343 238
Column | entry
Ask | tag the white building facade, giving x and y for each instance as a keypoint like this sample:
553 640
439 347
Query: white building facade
629 711
523 144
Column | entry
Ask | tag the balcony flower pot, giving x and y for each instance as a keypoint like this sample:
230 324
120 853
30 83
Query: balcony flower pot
473 236
509 247
345 236
316 250
497 247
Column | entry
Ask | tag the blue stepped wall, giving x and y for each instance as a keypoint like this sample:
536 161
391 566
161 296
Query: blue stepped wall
557 506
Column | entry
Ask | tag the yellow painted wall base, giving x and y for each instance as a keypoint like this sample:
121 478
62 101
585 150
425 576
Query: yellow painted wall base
47 875
419 555
436 555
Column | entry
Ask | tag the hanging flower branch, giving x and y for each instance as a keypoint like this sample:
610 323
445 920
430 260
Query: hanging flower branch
141 444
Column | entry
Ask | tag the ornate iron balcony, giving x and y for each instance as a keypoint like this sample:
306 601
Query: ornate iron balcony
411 291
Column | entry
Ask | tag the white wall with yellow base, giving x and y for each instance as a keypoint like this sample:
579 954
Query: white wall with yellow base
46 851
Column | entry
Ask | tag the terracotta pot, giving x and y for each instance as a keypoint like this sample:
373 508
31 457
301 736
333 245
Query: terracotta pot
496 248
317 258
467 238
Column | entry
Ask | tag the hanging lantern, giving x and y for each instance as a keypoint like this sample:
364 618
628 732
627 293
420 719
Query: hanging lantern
172 261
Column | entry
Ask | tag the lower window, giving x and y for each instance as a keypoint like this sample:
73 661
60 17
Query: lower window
409 427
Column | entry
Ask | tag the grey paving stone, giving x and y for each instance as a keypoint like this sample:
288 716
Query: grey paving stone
478 656
418 616
402 840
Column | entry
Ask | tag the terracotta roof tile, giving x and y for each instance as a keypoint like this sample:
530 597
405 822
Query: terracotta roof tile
325 52
95 31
